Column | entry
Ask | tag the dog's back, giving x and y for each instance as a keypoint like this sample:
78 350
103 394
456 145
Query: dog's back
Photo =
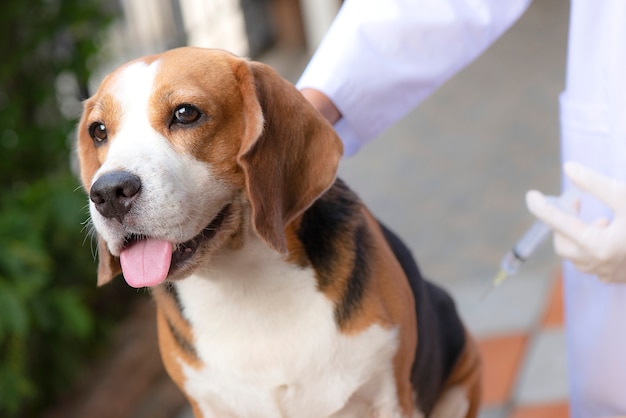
441 335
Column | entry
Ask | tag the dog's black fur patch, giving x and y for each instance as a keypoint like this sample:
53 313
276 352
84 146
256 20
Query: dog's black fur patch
330 230
173 293
353 296
181 341
440 332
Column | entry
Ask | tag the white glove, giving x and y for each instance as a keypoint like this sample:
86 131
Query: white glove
598 248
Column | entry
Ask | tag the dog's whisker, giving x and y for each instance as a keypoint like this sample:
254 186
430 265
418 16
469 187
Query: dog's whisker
94 247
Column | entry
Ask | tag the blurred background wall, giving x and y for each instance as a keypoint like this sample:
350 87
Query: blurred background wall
245 27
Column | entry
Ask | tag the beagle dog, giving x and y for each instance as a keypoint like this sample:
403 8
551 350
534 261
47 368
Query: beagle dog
212 181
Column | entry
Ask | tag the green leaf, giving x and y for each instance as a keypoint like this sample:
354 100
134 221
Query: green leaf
76 320
13 312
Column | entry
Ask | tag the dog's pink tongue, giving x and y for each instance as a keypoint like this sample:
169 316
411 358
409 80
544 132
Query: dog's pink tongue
146 262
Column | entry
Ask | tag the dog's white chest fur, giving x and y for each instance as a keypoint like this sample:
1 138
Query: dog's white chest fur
270 347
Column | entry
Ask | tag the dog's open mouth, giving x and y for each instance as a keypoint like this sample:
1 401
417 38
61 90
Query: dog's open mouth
147 261
187 249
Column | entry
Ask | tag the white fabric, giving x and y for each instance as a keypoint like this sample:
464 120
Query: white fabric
399 52
380 59
593 133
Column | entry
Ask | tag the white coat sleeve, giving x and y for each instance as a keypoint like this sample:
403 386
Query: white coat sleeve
380 59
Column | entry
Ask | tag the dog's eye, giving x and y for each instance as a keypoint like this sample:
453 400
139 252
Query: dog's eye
186 114
98 132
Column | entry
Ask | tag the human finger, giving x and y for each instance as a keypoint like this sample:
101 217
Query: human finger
557 219
609 190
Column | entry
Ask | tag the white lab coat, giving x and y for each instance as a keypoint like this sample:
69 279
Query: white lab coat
593 132
381 59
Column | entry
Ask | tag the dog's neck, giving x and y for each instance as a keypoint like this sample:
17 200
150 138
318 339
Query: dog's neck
262 310
247 274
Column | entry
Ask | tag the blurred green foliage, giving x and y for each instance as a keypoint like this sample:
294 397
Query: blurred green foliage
48 295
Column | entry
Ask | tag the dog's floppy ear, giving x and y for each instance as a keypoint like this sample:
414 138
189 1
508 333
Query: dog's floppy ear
289 153
108 266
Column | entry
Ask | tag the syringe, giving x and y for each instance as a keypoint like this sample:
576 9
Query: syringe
530 241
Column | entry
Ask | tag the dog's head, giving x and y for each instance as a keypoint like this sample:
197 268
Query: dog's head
181 152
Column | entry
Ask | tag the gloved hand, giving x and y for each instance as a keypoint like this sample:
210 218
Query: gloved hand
598 248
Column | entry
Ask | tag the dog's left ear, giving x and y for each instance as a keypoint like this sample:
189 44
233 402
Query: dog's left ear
289 153
108 266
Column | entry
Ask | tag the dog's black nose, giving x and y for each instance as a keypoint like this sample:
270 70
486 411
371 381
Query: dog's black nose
113 193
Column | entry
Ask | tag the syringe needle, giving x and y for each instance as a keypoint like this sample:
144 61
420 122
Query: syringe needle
497 281
500 277
530 241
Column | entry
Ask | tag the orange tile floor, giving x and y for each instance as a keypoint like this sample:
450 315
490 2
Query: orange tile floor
505 356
